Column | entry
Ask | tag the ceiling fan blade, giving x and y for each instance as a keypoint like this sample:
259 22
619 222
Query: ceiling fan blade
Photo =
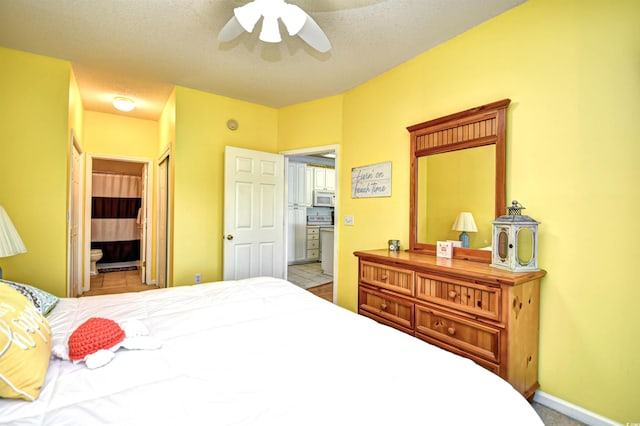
293 18
248 15
230 31
270 30
313 35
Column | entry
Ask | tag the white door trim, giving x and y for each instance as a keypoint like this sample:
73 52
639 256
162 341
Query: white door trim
166 154
77 271
316 150
87 210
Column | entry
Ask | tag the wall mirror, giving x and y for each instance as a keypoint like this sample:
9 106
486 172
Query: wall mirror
458 166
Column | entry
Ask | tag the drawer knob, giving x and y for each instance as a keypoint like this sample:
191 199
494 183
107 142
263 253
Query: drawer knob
383 306
451 330
452 294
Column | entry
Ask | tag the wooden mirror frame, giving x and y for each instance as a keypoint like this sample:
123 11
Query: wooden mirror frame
480 126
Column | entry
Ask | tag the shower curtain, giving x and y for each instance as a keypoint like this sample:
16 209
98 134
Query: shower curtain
115 217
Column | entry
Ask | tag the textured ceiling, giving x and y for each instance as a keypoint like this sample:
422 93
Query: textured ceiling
141 48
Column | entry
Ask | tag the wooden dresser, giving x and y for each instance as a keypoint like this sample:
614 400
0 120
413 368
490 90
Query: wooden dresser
470 308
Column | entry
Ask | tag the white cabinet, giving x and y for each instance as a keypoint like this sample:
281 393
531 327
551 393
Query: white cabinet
308 187
313 242
300 182
326 245
297 234
324 179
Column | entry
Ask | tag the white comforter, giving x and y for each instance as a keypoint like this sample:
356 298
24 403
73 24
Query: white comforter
261 352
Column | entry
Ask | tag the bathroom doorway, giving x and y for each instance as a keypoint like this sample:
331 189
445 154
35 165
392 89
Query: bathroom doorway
117 212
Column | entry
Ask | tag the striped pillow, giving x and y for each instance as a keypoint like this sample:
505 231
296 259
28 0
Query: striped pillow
43 301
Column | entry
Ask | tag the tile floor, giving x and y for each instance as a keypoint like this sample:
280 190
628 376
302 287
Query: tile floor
307 275
117 282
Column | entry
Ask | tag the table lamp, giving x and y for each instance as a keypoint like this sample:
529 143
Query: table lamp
465 223
10 242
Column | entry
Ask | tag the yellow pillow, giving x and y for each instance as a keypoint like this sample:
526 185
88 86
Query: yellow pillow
25 346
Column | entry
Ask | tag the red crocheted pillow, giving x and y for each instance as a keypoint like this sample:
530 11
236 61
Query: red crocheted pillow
92 335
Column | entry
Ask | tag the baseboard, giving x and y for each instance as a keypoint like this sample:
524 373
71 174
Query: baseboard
573 411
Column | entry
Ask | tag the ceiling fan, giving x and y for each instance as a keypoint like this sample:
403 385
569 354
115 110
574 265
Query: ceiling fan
297 21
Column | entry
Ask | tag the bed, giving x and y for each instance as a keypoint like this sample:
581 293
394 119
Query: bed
260 351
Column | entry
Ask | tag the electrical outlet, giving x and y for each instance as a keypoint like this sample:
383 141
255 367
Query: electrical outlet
198 279
348 220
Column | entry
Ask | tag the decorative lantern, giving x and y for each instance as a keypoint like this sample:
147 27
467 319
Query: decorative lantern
515 241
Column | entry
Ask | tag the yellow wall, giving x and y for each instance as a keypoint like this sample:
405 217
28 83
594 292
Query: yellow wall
113 134
201 135
76 110
310 124
34 119
571 71
167 125
121 136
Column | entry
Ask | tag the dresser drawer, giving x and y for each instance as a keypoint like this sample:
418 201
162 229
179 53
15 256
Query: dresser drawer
383 305
477 299
313 230
493 367
313 244
461 333
313 237
396 279
313 254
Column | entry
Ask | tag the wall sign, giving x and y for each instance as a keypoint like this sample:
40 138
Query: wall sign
371 181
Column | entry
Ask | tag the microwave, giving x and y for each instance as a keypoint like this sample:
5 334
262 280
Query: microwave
324 199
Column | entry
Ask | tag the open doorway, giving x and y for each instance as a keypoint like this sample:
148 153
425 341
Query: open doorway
117 232
312 188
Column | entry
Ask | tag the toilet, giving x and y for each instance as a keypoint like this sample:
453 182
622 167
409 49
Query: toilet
96 254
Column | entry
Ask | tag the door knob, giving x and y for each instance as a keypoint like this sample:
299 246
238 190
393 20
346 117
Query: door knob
229 237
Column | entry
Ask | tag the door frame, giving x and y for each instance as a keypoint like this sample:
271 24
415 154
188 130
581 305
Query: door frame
336 230
148 164
166 155
74 263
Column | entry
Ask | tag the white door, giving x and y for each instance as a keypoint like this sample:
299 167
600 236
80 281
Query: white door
75 218
253 214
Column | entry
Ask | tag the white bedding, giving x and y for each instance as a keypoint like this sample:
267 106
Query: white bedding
261 352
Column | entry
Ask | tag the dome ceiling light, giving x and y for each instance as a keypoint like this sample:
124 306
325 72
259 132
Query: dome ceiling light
123 104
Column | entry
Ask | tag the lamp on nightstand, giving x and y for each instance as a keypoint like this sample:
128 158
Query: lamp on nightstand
465 223
10 242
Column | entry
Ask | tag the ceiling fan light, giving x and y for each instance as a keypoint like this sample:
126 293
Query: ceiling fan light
123 104
270 30
248 15
293 18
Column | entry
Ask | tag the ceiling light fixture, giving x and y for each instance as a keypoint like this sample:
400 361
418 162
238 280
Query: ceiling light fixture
297 21
123 104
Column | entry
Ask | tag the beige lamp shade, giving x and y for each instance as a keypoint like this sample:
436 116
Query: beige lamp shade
10 242
465 222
